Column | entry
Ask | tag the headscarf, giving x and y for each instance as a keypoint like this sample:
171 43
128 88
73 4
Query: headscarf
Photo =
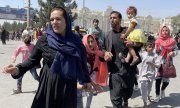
95 51
102 73
70 59
165 44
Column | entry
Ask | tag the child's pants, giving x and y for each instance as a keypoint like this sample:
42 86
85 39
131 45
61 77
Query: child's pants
79 99
33 73
145 87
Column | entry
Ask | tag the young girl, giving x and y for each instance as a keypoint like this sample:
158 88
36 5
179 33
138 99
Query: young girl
26 50
93 54
133 33
150 64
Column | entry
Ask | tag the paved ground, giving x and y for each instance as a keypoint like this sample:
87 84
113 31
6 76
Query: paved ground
24 100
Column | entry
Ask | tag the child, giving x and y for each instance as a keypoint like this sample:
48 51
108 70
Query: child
93 62
150 64
134 34
26 50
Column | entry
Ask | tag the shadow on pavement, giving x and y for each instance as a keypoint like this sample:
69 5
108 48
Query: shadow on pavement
105 88
168 102
108 107
30 91
136 93
34 92
172 100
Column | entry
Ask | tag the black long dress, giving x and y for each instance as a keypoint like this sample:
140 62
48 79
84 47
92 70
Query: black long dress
54 91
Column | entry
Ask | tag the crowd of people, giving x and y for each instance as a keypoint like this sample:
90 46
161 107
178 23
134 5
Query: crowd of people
17 35
76 65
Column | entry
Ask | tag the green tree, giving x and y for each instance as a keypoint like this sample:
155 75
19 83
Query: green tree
7 26
176 23
14 26
47 5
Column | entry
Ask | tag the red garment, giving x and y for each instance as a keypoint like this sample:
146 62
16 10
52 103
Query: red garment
39 34
166 43
102 73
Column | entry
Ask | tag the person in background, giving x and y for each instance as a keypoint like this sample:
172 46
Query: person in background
25 32
96 27
166 47
31 32
3 36
64 63
26 49
39 33
35 34
77 32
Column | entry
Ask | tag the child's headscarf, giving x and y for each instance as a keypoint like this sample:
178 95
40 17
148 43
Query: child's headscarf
167 43
95 51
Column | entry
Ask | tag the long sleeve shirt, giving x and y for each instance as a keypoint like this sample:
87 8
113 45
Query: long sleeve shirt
147 72
25 50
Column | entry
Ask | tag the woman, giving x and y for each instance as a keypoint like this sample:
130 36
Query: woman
64 62
166 47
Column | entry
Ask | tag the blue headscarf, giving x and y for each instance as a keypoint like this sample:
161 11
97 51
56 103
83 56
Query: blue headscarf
70 59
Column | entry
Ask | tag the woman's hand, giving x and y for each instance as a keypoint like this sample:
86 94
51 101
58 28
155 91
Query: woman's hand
96 88
108 56
11 69
87 87
171 54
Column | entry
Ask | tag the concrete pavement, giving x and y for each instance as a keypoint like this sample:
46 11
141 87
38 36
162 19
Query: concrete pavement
24 100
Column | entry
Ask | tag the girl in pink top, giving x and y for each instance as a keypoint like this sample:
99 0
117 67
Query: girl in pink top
26 50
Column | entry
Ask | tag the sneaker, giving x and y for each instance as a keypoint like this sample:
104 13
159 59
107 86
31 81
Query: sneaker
149 98
136 87
17 91
125 105
157 98
162 94
145 105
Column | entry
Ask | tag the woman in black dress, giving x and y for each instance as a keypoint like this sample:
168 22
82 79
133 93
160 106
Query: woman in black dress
64 62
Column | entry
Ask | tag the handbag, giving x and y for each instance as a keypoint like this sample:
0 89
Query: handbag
167 70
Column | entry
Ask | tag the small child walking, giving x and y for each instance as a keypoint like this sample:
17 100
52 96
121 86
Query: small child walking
150 64
25 49
134 34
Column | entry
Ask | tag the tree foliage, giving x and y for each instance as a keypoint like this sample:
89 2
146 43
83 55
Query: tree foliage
14 26
45 7
176 23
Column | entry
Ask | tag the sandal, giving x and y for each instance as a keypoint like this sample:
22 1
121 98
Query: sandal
134 61
121 57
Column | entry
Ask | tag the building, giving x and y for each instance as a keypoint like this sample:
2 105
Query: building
8 13
147 23
86 16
